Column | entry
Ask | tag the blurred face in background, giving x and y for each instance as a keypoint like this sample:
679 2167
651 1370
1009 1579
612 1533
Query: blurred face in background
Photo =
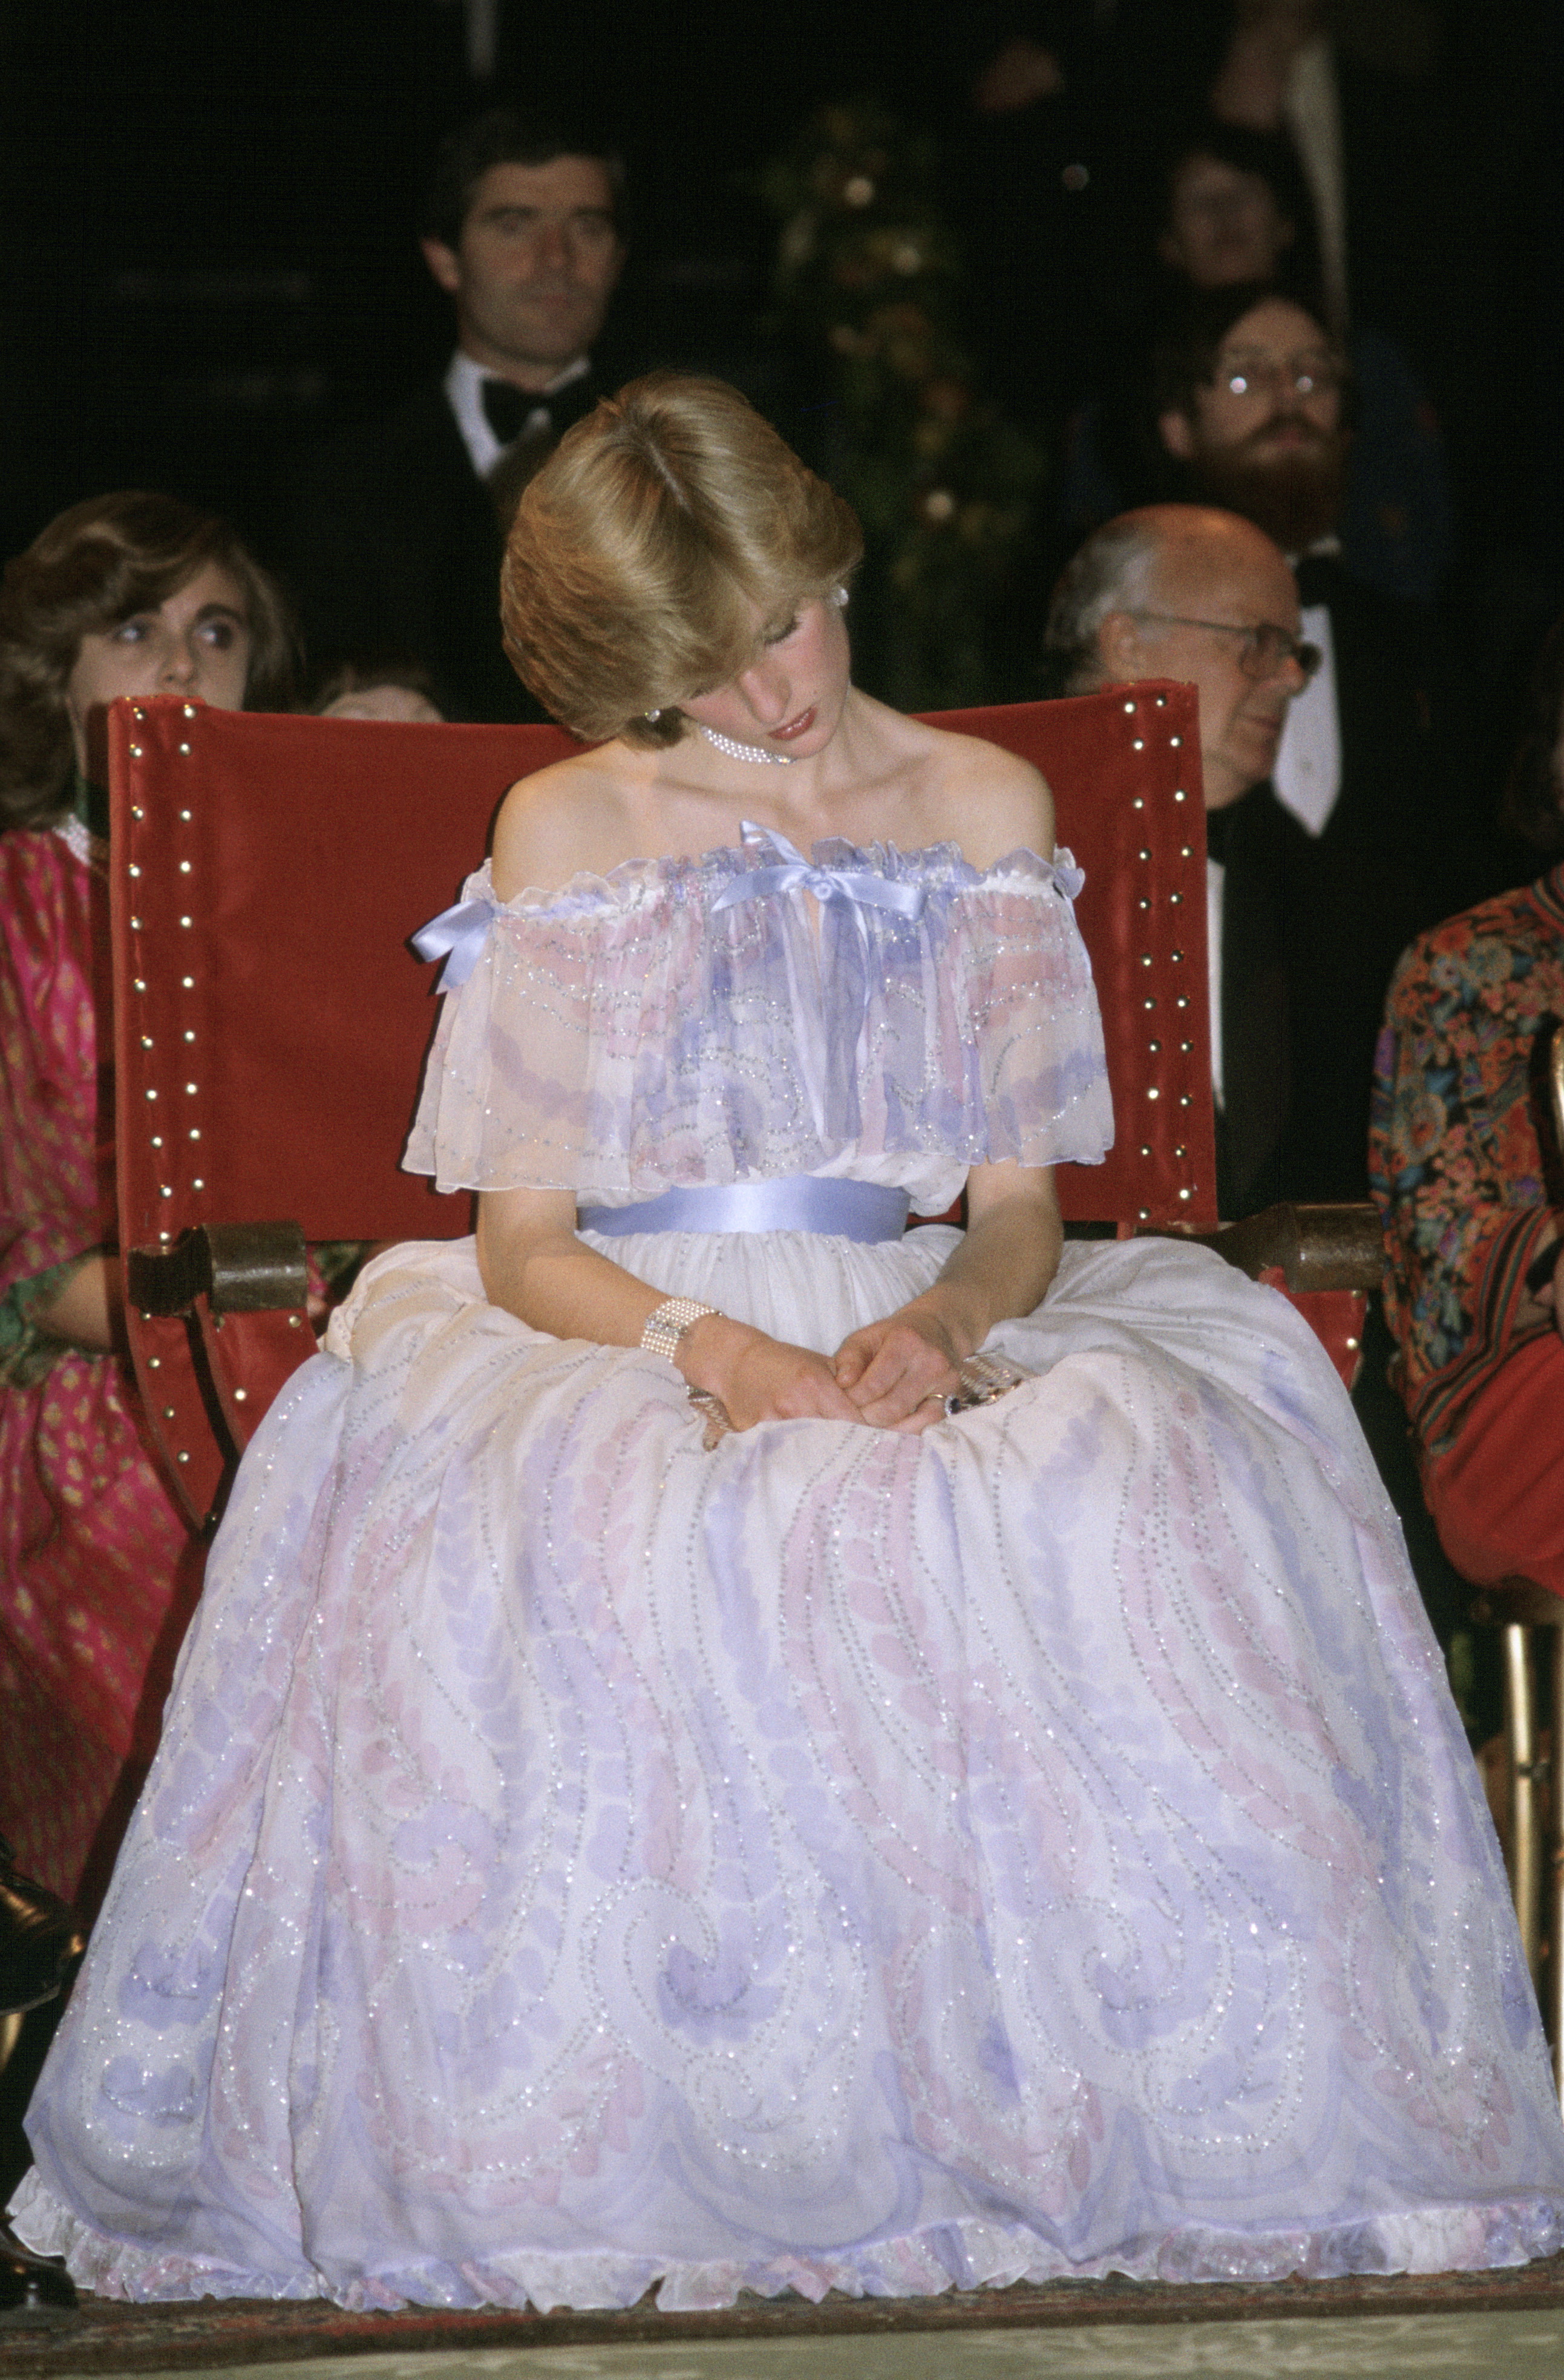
1223 225
196 643
1264 435
399 704
536 264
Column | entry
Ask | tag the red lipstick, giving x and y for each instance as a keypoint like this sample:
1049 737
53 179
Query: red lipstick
792 727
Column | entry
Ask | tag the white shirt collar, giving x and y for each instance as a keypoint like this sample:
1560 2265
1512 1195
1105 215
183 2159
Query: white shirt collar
1322 549
1307 775
464 378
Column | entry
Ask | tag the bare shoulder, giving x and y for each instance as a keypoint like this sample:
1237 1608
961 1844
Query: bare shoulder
558 823
985 798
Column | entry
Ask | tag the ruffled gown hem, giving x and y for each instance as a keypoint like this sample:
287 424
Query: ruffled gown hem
966 2254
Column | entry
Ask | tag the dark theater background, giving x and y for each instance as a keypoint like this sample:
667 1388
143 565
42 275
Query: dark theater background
211 262
212 210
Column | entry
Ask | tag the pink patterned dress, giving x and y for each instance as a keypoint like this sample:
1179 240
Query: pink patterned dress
99 1572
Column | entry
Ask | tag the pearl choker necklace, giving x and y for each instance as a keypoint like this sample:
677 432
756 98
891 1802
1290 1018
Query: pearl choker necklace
745 751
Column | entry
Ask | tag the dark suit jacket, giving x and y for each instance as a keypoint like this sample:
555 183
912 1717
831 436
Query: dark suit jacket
393 549
1312 926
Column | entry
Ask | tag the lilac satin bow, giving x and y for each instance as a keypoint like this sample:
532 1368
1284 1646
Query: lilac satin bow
457 936
855 888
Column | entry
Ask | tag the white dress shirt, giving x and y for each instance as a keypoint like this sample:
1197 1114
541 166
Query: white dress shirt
1307 776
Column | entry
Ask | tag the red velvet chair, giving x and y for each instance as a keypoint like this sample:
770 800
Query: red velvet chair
270 1023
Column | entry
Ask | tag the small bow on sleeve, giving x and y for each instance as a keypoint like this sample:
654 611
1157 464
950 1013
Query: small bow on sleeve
457 936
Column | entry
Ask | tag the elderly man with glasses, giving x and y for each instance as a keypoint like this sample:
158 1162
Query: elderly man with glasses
1305 922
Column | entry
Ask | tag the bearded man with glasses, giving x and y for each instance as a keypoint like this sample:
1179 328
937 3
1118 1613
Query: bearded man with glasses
1254 411
1254 406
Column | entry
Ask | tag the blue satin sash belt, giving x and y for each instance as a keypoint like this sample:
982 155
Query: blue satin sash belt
798 1202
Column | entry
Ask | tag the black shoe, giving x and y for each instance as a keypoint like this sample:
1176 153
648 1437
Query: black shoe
34 2289
39 1937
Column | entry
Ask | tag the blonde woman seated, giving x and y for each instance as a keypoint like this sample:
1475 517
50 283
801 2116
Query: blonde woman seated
653 1796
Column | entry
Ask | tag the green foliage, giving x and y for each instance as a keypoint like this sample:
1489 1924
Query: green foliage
870 273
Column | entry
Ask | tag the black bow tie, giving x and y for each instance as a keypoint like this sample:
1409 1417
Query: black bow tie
508 410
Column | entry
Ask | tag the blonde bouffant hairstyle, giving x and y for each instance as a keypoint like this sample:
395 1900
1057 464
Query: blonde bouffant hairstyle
644 548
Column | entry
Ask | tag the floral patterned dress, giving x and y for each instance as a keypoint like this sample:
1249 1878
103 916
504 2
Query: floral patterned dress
99 1572
1468 1180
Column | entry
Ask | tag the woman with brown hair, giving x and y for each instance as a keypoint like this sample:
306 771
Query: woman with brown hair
729 1746
126 594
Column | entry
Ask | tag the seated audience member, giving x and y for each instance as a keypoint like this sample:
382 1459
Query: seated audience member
1181 591
1356 104
1229 207
1229 217
1332 452
398 691
1469 1179
1375 765
125 595
1221 205
395 533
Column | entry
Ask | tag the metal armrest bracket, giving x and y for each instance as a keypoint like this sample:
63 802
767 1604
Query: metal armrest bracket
240 1269
1312 1247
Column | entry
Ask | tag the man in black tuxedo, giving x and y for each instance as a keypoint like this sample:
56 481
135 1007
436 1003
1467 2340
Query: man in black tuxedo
1188 592
395 532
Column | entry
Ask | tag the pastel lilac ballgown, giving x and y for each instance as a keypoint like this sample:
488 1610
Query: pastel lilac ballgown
578 1861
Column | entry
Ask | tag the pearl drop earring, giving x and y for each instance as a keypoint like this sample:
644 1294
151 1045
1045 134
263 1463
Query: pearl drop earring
839 597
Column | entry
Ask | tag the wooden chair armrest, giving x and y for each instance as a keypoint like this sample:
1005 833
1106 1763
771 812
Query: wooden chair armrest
1312 1247
239 1268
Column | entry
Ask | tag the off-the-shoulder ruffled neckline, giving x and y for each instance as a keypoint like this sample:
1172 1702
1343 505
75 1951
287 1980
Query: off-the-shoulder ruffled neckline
634 880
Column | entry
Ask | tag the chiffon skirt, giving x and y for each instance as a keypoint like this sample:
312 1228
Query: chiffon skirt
577 1861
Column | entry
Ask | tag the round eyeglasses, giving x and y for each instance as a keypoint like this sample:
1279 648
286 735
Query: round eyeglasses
1266 648
1257 375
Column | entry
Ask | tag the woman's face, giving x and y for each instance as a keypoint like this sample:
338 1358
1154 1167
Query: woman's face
196 643
789 700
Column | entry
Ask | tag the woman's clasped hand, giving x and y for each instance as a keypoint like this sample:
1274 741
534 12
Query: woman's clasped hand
893 1374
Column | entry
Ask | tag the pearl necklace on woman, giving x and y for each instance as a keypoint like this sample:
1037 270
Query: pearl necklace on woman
745 751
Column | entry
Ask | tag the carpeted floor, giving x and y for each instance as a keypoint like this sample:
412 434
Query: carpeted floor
214 2336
